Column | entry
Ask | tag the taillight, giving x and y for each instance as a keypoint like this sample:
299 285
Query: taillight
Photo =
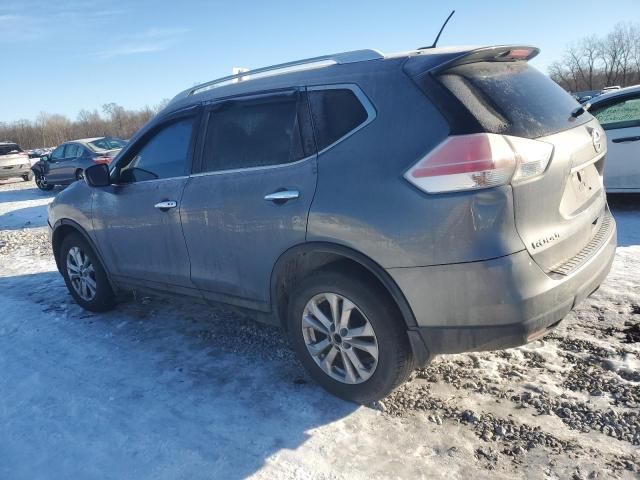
481 160
102 159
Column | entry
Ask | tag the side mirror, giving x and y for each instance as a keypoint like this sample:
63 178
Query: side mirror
45 158
97 175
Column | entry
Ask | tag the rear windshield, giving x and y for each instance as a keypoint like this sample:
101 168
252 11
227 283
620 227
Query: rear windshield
513 98
107 144
9 148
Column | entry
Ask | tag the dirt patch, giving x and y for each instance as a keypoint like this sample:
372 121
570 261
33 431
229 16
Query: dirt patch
631 333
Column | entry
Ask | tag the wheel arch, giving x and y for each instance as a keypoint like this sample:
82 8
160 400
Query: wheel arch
325 253
308 257
63 228
38 168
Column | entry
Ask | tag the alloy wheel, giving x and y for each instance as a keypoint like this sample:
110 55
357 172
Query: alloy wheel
81 273
41 181
340 338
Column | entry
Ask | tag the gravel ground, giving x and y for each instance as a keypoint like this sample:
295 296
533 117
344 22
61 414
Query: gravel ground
25 242
565 406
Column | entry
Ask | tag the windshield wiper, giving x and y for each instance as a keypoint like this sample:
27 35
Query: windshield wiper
580 110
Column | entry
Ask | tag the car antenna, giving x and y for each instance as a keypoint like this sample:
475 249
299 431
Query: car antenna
435 42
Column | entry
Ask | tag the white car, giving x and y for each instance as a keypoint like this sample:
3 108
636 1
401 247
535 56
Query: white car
14 162
619 115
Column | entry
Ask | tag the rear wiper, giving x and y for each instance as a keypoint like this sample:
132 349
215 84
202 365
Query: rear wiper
580 110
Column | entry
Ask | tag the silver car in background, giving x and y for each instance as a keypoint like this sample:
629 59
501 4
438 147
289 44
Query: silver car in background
14 163
619 115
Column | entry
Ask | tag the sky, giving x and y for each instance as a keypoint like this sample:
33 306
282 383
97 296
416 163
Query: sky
66 55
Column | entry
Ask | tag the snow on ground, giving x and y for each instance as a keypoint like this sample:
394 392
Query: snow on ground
23 205
167 389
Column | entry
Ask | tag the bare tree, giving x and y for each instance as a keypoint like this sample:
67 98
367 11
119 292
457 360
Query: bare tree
590 48
48 130
597 62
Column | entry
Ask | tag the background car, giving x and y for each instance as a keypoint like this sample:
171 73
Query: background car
37 152
67 162
619 115
610 89
14 162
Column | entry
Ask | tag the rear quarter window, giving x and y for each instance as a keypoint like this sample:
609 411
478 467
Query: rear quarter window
336 113
107 144
513 98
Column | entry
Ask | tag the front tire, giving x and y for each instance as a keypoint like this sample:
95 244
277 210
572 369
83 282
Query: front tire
349 336
84 275
41 183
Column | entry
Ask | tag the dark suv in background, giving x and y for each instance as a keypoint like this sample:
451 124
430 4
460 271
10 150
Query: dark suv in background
381 209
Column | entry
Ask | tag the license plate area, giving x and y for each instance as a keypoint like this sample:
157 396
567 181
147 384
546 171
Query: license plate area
581 187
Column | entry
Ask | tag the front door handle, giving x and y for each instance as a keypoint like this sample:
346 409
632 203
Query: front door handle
626 139
282 196
166 205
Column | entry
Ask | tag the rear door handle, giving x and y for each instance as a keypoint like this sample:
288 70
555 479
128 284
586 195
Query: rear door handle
626 139
166 205
282 196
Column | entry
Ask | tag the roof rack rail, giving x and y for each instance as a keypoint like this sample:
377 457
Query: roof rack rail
307 63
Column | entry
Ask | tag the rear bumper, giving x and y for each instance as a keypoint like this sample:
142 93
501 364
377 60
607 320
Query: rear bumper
495 304
14 171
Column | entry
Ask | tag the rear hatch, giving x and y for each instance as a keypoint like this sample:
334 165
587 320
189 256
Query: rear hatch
561 215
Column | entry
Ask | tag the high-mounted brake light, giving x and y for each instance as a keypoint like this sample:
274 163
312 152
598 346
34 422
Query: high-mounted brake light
516 54
481 160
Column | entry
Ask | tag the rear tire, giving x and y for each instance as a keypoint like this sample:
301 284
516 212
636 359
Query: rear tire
384 358
27 176
79 174
84 275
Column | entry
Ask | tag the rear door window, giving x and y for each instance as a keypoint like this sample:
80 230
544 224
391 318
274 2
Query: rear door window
513 98
336 112
256 132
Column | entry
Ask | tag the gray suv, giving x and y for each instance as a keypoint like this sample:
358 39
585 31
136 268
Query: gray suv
381 209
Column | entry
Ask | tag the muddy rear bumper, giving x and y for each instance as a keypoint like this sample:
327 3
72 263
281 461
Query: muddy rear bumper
495 304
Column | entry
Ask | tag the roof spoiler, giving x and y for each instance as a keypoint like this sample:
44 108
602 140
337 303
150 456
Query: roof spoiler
501 53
